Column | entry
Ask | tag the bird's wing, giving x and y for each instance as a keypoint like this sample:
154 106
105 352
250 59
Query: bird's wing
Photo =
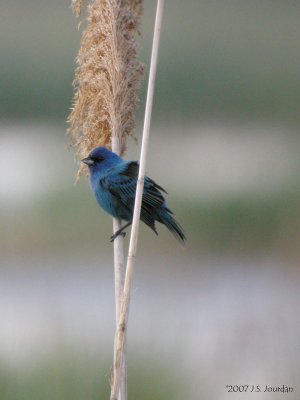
121 183
152 196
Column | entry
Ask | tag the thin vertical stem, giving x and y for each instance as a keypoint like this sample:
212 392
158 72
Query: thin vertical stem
119 275
120 337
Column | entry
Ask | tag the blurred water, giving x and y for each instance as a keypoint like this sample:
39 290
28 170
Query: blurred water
34 161
223 322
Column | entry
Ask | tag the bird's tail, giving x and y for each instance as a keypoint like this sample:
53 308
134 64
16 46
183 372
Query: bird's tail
173 226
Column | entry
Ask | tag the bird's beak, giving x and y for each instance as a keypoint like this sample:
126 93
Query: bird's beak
87 161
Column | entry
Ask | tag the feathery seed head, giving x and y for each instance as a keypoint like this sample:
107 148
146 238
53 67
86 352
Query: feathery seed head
108 75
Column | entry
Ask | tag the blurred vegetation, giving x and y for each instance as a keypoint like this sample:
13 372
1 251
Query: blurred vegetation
237 225
217 59
67 376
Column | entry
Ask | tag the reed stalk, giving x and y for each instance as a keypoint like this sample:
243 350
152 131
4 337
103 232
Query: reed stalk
106 83
120 336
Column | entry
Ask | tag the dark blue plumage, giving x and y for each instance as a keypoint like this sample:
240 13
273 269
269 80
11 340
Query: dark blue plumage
113 182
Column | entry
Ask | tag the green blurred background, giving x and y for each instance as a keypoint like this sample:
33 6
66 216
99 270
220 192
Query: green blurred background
224 143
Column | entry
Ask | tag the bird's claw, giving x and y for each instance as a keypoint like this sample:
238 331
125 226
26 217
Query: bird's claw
113 237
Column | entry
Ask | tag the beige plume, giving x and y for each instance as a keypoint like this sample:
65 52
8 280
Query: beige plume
108 75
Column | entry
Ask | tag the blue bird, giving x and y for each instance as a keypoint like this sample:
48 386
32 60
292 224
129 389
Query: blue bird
113 182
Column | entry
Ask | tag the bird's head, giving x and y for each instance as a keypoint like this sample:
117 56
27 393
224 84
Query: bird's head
100 159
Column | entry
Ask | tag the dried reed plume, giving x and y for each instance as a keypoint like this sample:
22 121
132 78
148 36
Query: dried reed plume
76 7
107 77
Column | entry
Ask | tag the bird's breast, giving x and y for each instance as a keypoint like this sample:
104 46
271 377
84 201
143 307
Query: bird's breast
106 201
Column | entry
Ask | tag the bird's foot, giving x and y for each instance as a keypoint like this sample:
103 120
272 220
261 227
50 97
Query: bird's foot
112 238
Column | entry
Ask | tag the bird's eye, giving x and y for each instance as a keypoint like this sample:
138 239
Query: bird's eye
97 159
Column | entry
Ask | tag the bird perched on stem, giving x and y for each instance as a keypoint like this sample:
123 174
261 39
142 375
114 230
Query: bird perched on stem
113 181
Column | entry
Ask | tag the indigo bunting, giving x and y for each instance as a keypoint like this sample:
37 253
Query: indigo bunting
113 182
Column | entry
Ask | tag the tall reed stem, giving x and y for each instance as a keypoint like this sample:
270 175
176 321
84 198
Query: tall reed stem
119 276
120 336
